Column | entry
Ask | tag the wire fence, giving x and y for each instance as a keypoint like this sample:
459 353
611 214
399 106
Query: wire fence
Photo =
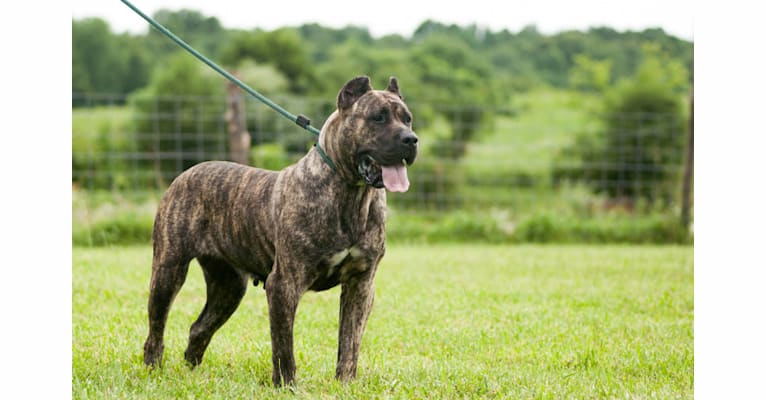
471 157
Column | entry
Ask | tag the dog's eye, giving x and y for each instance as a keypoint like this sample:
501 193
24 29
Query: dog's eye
380 118
407 118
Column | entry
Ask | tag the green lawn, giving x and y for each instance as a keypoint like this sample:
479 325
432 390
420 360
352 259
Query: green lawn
526 144
449 321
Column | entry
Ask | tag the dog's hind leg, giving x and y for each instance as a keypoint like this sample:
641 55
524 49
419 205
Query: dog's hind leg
225 288
167 279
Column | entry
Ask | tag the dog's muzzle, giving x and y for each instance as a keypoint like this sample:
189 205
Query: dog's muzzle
389 168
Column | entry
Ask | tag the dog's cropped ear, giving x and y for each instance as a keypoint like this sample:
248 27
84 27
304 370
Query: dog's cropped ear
393 87
352 91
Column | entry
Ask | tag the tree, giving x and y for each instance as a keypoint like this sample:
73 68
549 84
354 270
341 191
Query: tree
103 62
461 84
203 33
281 48
640 147
179 117
589 74
94 57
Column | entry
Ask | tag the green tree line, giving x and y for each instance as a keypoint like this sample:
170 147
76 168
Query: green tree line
450 63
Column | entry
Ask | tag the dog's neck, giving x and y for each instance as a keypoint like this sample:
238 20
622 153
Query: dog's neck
346 172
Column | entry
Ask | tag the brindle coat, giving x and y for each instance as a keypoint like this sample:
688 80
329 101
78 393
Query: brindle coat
303 228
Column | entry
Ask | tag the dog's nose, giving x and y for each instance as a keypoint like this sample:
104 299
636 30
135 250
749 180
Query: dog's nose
409 138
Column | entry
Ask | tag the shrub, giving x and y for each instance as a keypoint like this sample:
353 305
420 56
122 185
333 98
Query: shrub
98 133
270 156
183 129
102 218
639 148
122 229
435 182
538 229
656 229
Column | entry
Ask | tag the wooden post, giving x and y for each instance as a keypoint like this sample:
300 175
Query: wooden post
236 124
686 188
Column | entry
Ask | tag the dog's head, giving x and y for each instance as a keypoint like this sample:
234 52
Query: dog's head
374 135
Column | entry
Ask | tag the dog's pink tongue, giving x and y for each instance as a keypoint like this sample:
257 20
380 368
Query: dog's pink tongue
395 178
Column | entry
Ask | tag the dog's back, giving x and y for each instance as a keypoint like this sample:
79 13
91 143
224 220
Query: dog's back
214 210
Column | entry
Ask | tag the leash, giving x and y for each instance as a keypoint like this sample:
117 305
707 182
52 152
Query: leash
299 120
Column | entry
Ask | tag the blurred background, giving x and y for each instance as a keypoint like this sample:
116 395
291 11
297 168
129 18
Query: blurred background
538 123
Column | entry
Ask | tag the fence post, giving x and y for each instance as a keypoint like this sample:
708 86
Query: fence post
236 124
688 169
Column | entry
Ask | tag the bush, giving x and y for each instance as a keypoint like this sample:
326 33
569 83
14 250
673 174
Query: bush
98 133
121 230
456 226
183 129
103 218
282 48
269 156
97 222
538 229
652 229
435 182
462 226
639 148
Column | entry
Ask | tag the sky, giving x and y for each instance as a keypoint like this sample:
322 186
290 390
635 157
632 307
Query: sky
403 17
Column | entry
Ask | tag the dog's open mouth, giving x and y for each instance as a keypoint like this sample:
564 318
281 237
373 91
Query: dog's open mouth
393 176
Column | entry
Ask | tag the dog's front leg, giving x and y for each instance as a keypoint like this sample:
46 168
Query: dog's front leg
283 296
356 300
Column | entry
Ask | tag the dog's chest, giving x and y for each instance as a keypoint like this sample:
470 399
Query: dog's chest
338 266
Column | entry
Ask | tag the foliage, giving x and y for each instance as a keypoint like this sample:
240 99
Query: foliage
353 58
641 143
508 165
103 220
269 156
104 131
204 33
470 89
434 179
550 228
322 40
174 127
450 74
270 80
104 62
449 322
502 59
442 67
589 74
126 229
282 48
495 227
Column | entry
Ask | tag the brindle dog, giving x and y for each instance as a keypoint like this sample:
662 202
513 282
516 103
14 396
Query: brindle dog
306 227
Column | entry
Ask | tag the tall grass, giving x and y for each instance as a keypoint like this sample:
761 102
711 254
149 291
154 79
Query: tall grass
108 218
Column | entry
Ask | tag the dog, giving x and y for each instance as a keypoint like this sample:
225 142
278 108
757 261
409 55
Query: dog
307 227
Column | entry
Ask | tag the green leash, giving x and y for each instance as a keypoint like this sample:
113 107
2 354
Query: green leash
300 120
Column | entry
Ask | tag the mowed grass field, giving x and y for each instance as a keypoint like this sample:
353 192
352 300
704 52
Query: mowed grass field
449 321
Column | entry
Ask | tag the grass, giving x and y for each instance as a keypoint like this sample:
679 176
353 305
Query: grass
122 218
525 145
102 127
449 321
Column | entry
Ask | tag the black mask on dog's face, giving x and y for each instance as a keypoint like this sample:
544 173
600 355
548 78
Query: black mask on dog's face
387 144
